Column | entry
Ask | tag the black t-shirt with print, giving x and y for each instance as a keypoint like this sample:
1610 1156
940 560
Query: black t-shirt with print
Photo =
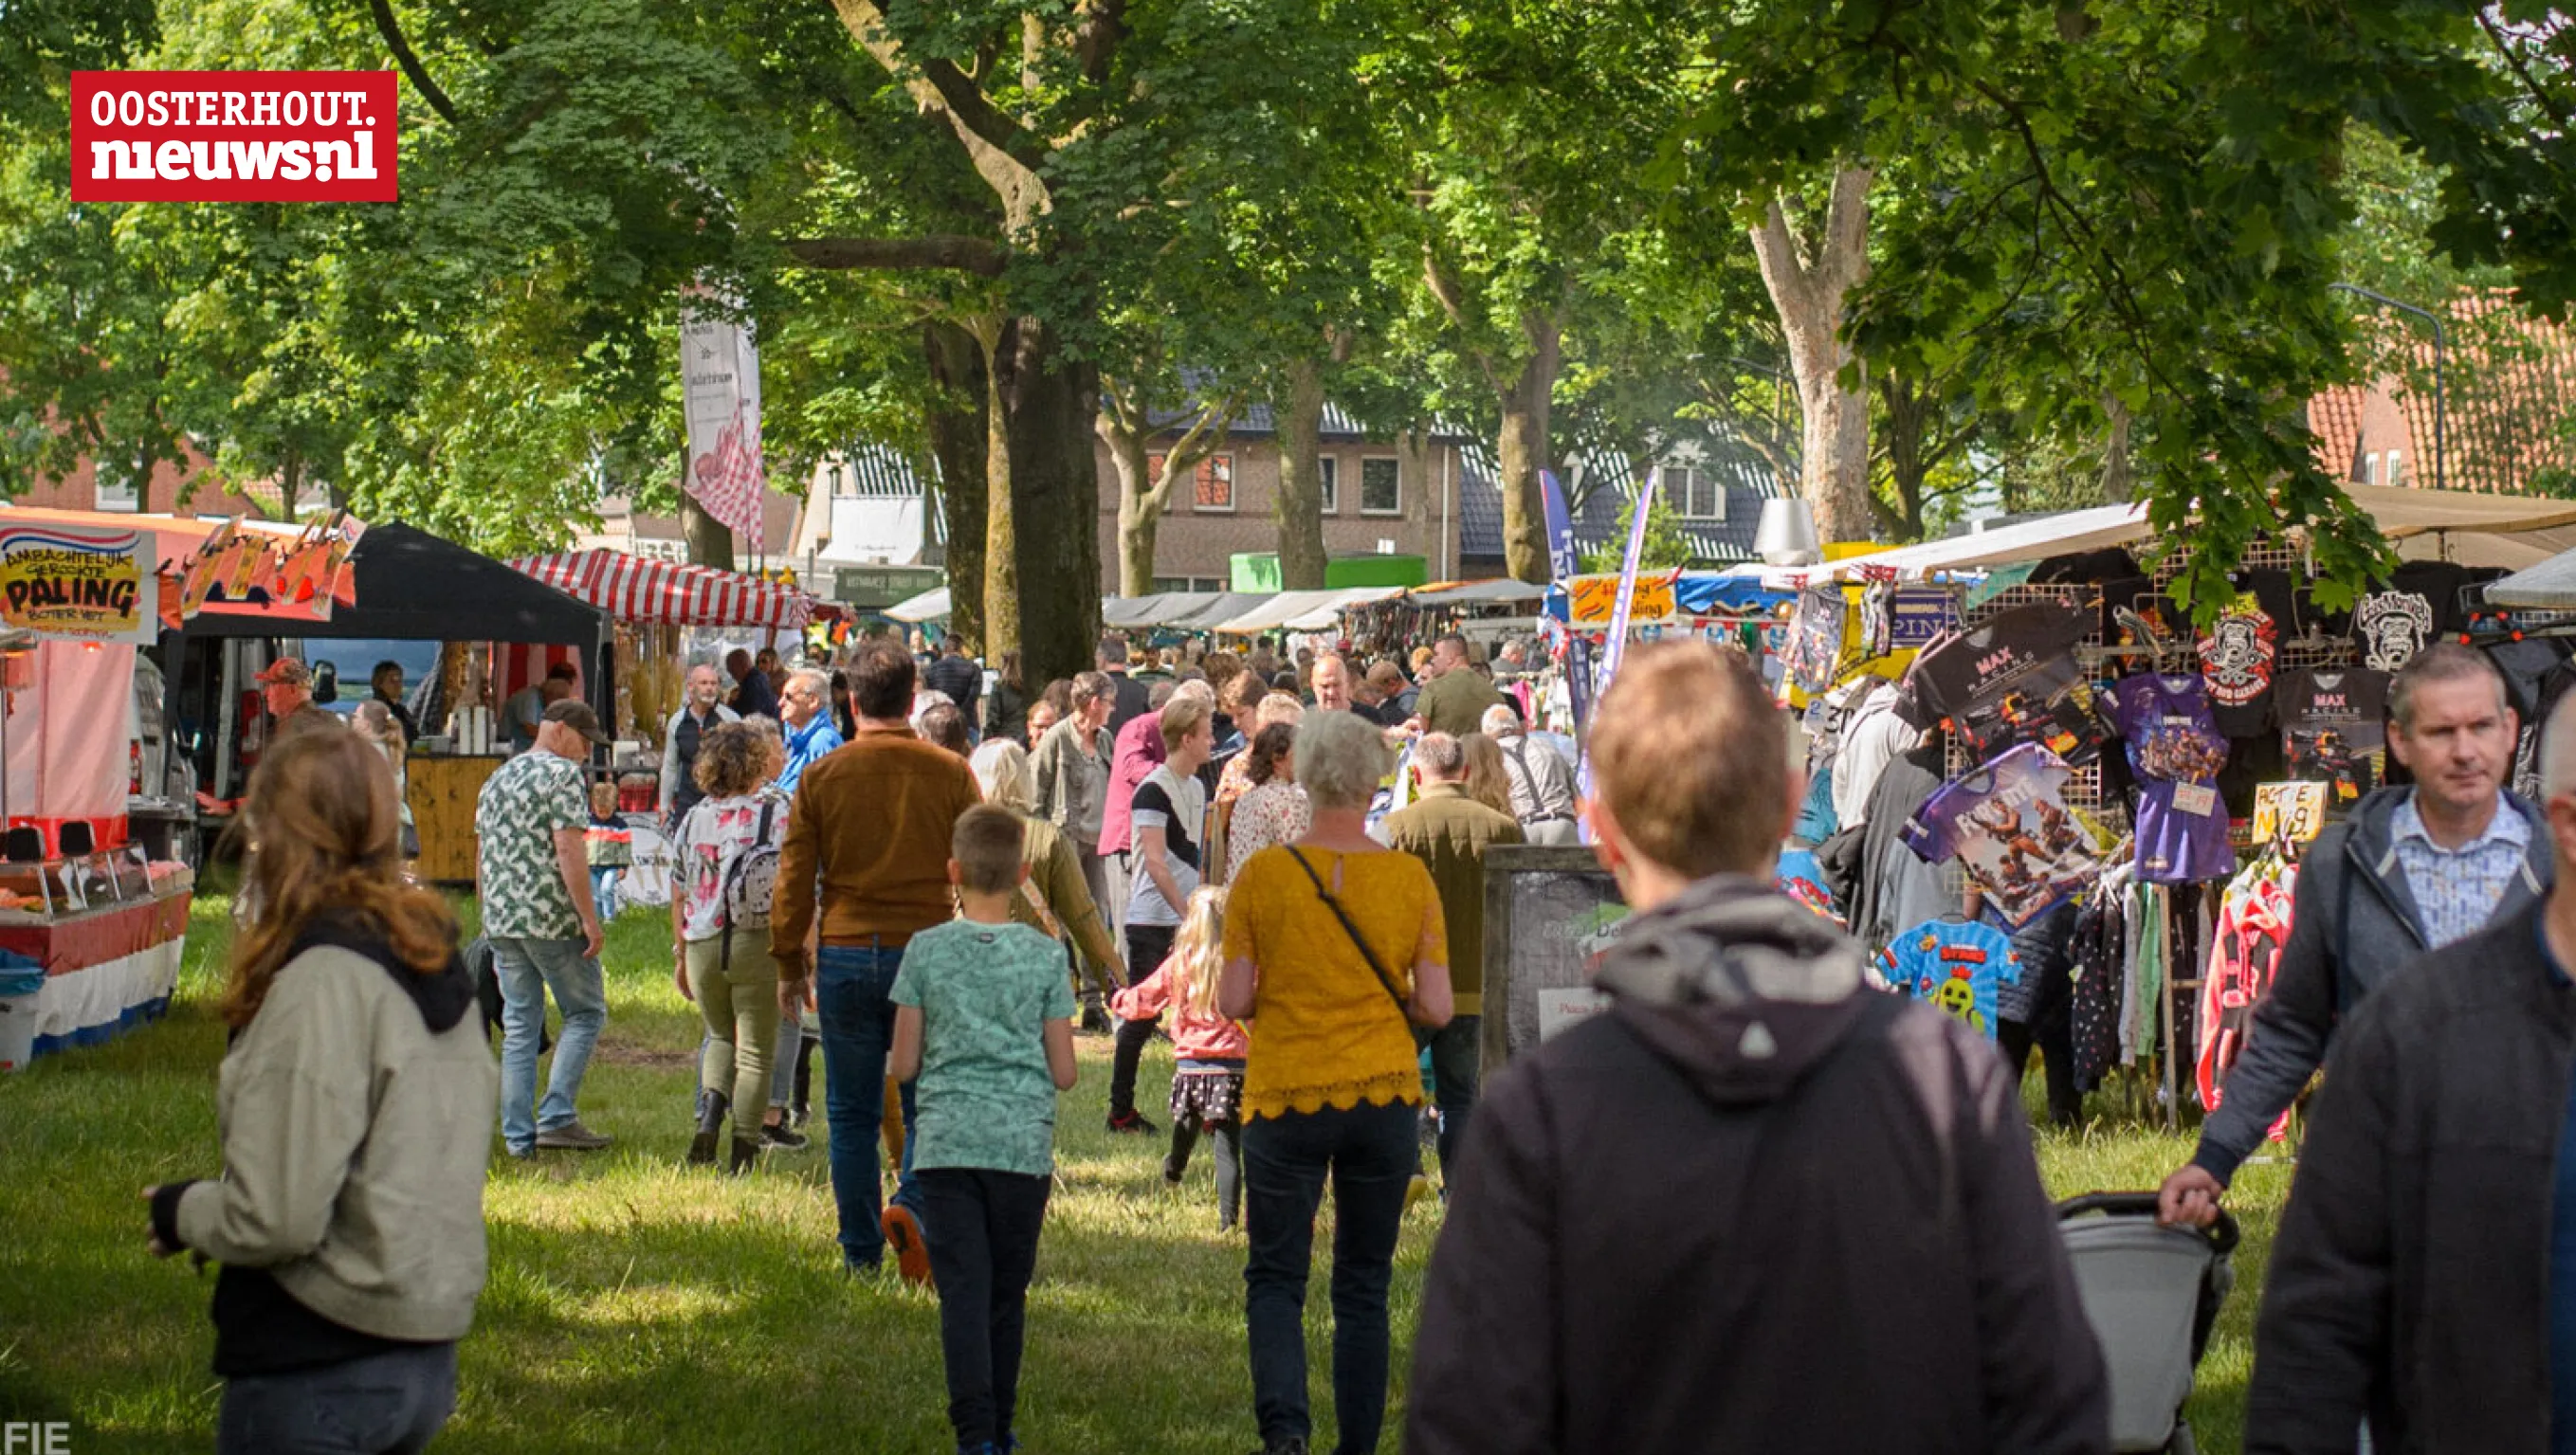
2012 680
2334 729
2240 651
2417 606
1179 830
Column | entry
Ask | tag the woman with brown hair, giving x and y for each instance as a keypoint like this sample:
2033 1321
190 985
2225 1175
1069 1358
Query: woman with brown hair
1006 707
356 1110
1486 781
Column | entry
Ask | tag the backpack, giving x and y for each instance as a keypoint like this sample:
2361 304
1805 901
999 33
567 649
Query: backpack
751 882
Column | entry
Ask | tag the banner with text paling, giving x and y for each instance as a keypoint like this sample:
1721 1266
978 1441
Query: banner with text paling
78 583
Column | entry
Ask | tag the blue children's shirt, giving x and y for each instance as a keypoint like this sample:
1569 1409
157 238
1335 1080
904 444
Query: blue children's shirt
1954 965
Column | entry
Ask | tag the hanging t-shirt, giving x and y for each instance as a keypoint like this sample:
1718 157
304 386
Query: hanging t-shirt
2175 750
1956 966
2418 605
2240 651
2011 831
2333 729
1816 637
2013 681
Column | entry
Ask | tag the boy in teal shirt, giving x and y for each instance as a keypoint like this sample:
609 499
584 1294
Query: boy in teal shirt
984 1017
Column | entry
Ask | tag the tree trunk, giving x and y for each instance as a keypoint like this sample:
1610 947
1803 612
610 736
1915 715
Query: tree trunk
1050 403
1809 281
710 542
1300 501
1001 521
1140 516
1906 465
1522 451
2116 475
954 422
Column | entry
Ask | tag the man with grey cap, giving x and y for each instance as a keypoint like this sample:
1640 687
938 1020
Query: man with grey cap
286 689
534 879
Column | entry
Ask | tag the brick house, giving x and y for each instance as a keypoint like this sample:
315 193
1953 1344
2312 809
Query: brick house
1380 498
87 487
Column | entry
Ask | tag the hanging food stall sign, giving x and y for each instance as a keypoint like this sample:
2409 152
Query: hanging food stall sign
1591 600
255 573
77 583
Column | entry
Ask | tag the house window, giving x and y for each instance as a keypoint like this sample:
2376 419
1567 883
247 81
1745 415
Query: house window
1214 487
1328 484
1380 490
113 481
1692 494
2370 469
2396 467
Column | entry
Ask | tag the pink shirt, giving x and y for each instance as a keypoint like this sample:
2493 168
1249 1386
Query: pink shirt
1195 1037
1139 753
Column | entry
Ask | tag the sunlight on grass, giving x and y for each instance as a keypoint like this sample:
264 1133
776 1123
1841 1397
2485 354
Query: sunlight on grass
636 1303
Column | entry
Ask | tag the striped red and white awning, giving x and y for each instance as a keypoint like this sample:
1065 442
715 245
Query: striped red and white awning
631 588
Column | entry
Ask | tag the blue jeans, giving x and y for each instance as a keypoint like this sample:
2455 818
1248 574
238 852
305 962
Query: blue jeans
982 1261
1369 1152
385 1404
1454 1064
852 986
603 890
527 970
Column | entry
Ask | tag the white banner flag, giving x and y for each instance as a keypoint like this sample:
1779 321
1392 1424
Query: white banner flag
720 369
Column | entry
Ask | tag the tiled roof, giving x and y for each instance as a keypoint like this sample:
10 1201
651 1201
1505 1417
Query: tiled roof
1610 479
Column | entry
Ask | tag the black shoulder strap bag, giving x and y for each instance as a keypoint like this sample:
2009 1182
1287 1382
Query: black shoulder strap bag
1376 966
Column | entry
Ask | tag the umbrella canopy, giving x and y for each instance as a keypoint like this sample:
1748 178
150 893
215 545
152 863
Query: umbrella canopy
931 605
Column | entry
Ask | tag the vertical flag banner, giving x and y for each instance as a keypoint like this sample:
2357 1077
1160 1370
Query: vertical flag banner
1560 525
1617 643
720 372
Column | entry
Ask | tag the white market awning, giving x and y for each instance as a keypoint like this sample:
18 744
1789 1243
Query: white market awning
931 605
2029 540
1503 591
1301 610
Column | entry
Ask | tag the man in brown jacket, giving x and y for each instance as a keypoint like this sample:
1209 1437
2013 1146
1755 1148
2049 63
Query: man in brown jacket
867 844
1449 832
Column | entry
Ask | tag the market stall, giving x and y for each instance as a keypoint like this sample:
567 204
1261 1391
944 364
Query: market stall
91 926
414 586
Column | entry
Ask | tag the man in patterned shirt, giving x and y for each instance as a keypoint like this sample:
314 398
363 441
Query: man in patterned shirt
544 929
2413 869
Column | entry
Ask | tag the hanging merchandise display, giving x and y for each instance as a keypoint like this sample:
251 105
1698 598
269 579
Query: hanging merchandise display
2010 829
2176 752
2333 729
2013 680
1816 637
2245 954
1955 965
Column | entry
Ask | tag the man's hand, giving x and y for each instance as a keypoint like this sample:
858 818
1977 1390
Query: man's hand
2190 1197
593 939
792 998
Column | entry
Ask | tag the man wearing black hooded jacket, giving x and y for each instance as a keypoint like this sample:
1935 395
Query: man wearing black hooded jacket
1754 1205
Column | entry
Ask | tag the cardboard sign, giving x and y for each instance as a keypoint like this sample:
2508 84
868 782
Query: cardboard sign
78 583
1590 601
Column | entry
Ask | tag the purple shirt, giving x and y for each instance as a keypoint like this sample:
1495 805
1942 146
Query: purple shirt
2176 752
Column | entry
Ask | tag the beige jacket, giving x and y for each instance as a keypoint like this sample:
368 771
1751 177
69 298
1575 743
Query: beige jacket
355 1144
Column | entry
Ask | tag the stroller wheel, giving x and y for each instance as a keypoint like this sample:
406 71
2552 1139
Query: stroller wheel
2182 1442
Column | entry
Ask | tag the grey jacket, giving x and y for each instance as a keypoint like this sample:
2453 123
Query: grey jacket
2411 1276
2353 923
356 1139
1071 792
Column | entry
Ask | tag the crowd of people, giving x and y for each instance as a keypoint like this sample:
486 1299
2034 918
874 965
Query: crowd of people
1665 1228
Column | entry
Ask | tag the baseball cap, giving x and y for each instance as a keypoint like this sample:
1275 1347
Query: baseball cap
578 717
286 671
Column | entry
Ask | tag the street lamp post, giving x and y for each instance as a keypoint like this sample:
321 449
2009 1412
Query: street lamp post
2440 347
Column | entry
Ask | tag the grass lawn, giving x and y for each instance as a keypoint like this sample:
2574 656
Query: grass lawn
638 1305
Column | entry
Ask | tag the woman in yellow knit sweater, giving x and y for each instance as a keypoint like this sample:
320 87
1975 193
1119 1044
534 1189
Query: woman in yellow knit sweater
1332 1086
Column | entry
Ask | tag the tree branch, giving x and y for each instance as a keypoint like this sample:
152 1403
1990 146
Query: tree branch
1098 33
1445 291
940 250
391 30
939 83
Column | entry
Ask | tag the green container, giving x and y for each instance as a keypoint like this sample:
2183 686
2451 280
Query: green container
1259 571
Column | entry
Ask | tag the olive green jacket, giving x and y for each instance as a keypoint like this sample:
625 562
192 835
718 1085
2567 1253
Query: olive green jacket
1449 832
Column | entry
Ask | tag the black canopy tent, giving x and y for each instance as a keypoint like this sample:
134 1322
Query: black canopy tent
414 586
